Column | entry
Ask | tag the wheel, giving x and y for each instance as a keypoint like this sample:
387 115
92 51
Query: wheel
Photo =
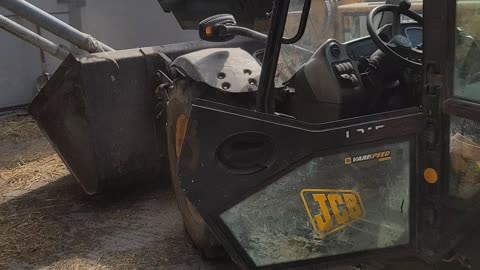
178 112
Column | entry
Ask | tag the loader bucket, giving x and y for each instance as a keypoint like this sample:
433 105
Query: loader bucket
98 113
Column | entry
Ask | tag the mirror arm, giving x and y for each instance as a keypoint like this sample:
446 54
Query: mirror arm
302 26
243 31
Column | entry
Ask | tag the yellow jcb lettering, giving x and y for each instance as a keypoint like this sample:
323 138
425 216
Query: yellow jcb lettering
354 208
340 216
325 223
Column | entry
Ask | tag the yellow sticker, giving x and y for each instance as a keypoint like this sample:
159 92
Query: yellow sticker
331 211
380 156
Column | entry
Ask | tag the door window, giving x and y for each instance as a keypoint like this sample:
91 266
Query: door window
464 181
331 205
467 53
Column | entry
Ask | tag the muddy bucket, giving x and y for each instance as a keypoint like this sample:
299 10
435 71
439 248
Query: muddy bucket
98 113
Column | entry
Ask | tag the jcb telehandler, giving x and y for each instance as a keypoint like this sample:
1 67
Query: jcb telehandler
349 151
294 139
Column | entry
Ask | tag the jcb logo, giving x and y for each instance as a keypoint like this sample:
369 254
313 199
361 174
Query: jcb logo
330 211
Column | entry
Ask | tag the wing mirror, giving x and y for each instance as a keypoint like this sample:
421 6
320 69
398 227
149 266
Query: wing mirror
223 27
214 28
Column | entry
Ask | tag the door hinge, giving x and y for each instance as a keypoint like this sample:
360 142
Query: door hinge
434 79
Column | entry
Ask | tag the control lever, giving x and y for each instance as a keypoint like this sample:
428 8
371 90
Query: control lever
346 74
405 5
351 79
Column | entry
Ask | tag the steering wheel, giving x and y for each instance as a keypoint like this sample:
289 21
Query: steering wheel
399 48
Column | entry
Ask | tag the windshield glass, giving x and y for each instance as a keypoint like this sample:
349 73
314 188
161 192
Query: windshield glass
343 20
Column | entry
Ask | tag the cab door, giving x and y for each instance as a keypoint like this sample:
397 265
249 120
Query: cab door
280 193
452 142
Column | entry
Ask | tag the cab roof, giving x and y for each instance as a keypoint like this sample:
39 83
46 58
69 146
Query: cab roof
189 13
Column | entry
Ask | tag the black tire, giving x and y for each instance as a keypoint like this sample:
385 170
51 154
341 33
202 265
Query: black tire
180 103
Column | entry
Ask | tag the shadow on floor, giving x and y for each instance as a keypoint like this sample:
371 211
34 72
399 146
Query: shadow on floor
58 227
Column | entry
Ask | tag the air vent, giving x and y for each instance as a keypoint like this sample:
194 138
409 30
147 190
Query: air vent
246 153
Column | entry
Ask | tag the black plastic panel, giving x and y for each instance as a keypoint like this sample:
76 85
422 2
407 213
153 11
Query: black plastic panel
190 12
213 189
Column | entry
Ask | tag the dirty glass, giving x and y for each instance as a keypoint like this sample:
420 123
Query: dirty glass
467 53
465 158
331 205
342 20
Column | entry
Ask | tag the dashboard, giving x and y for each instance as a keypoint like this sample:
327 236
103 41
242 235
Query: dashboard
364 47
415 35
331 84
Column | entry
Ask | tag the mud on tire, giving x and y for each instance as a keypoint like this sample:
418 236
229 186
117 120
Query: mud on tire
179 106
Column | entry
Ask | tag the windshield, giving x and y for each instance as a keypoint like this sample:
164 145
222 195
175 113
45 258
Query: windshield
343 20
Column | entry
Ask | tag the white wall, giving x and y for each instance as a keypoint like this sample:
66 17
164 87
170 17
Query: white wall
119 23
21 63
132 23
